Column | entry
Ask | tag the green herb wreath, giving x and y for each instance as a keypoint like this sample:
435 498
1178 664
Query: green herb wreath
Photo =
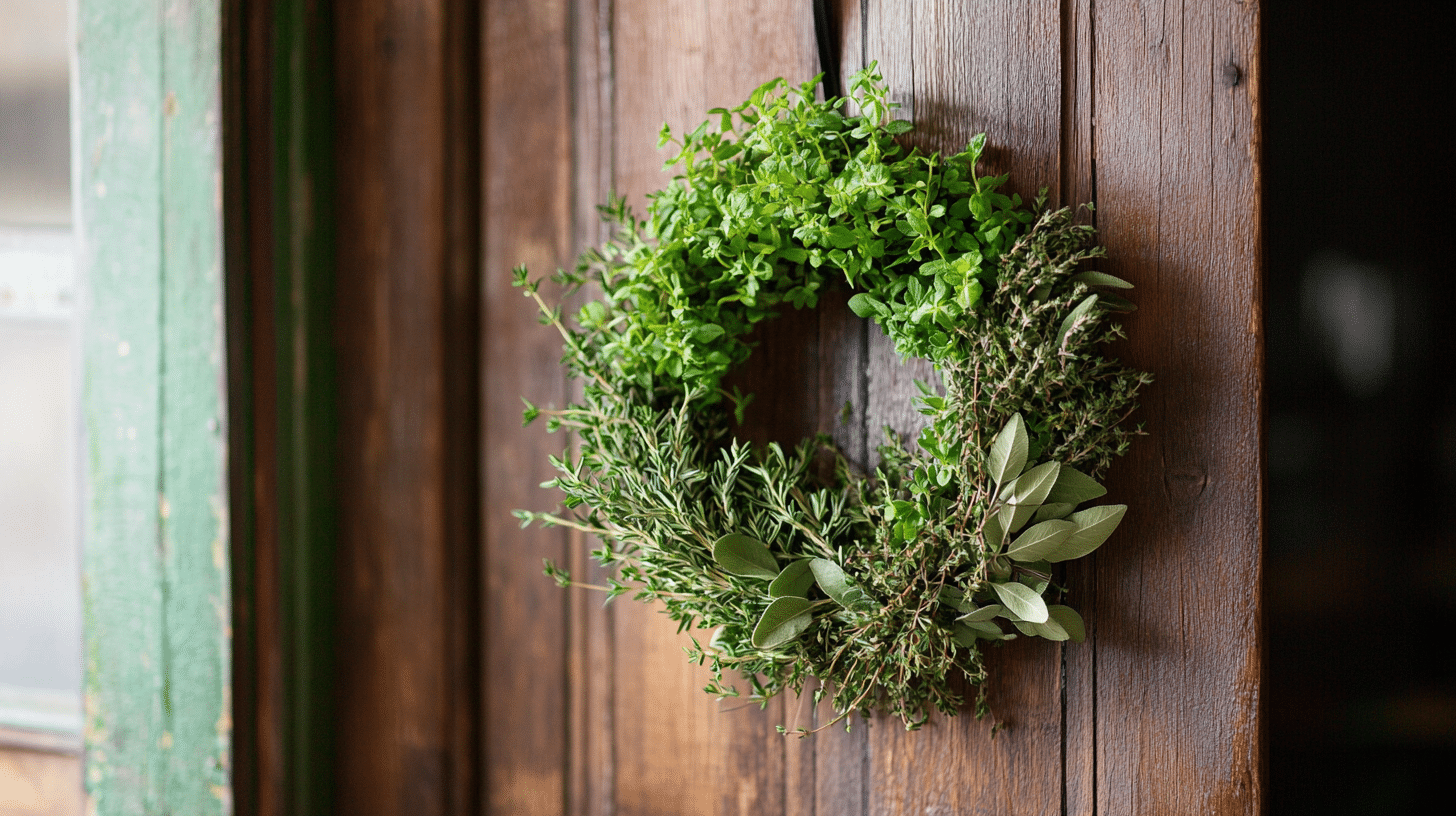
882 585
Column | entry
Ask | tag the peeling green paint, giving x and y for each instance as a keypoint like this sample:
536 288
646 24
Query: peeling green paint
147 193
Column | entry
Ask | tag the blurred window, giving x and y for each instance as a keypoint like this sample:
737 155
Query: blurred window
40 617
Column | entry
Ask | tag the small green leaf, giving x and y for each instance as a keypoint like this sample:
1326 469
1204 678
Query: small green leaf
1071 622
1094 525
1039 540
1007 457
897 126
1101 279
985 613
1053 510
785 619
837 585
708 332
749 557
1074 486
866 305
794 581
1113 303
1081 311
1022 601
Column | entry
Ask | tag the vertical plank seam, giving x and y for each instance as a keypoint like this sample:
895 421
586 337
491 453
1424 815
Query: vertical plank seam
572 732
607 25
863 395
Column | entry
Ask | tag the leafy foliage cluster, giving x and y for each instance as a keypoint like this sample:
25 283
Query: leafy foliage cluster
885 584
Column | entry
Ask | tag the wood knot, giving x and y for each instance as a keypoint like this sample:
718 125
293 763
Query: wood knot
1185 483
1232 75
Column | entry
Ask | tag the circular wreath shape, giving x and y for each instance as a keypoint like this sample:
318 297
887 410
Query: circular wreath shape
883 584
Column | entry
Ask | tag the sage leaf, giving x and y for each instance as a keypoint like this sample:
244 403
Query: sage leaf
1053 510
1039 540
963 635
1051 630
994 530
794 581
785 619
1094 525
966 634
742 555
1021 600
1074 487
1007 457
837 585
1101 279
1081 311
952 596
1033 486
1067 618
1113 303
985 613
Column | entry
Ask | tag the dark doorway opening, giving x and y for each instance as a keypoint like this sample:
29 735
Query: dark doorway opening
1361 582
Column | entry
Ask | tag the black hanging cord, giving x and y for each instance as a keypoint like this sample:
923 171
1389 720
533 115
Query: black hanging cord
828 57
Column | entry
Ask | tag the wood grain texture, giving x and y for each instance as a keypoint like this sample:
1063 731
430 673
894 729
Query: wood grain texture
1175 146
676 750
405 306
156 592
528 206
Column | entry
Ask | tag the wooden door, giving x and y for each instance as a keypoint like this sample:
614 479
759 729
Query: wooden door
1149 109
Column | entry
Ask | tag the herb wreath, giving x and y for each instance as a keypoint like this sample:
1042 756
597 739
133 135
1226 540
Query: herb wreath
881 585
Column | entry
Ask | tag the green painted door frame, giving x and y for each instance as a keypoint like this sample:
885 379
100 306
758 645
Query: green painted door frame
202 178
147 192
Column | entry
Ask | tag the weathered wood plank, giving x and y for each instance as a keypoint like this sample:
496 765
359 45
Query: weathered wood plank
591 763
960 70
156 589
1176 174
528 206
677 751
407 459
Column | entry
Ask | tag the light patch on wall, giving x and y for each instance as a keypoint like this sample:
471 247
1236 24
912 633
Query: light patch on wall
1349 307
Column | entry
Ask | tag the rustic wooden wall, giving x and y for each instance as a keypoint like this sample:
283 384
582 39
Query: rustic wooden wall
569 707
